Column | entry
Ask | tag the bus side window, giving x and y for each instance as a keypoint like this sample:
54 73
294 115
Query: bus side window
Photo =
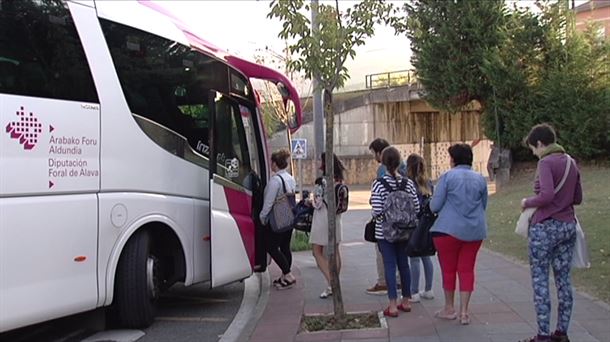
166 83
8 75
41 52
194 116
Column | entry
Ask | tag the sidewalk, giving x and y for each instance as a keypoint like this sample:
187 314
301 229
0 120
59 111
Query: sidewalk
501 305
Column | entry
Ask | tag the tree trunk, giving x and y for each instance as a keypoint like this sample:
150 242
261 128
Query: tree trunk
330 200
318 106
503 172
289 138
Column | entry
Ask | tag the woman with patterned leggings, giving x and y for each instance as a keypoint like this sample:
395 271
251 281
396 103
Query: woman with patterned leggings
552 232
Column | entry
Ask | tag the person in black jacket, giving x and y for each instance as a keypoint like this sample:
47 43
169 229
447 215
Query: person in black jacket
416 171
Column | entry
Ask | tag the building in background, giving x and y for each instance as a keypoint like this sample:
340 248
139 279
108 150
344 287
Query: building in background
596 11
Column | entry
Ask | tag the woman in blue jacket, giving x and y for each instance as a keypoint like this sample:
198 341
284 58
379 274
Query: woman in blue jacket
460 199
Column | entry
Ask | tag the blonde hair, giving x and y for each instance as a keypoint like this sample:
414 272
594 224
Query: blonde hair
416 170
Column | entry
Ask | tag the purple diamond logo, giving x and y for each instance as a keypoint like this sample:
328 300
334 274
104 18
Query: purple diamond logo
25 133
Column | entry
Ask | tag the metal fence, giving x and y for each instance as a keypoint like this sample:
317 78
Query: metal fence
390 79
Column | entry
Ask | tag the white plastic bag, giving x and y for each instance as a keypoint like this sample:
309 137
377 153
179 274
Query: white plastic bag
580 259
523 224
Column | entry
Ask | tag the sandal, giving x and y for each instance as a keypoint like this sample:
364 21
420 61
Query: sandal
388 313
403 308
464 319
443 315
284 284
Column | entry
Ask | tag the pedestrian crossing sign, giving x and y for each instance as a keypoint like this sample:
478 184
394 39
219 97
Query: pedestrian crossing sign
299 148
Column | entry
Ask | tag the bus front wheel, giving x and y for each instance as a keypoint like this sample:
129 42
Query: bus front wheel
137 283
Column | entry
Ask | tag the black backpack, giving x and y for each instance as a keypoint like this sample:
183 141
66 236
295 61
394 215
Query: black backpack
303 217
342 197
420 243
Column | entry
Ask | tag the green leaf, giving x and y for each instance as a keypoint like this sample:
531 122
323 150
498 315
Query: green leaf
324 52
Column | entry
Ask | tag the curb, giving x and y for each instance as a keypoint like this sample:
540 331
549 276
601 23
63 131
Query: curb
253 304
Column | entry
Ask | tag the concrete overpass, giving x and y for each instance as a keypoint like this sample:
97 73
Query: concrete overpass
399 115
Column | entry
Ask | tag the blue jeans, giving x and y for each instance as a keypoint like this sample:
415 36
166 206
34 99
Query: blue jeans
428 273
395 254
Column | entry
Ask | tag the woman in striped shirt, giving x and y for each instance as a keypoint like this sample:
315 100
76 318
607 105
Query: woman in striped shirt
394 254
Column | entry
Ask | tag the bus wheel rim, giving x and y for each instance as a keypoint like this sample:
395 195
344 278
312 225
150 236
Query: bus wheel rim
150 276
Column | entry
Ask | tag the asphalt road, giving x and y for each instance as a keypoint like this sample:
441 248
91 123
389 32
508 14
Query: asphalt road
193 313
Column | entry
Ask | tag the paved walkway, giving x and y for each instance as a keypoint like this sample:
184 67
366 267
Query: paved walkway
501 305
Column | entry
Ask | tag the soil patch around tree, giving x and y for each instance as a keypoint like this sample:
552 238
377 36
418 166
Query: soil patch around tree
360 320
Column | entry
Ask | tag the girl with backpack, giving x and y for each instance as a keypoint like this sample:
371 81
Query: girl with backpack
416 171
319 223
395 207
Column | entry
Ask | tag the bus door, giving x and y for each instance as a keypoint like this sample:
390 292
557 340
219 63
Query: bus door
258 162
233 177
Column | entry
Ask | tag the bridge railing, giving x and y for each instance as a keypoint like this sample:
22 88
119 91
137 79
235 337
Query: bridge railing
390 79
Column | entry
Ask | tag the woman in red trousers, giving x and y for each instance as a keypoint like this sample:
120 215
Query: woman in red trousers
460 199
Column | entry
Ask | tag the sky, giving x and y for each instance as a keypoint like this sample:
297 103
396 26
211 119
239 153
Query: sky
242 28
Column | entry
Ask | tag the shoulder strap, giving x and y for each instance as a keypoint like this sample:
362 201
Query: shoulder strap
565 173
402 185
283 183
385 184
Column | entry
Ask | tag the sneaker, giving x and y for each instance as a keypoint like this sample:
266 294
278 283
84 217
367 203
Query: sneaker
537 339
557 337
327 293
377 290
427 294
414 298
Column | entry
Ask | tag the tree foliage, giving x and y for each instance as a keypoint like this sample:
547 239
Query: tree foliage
324 53
527 67
450 40
549 72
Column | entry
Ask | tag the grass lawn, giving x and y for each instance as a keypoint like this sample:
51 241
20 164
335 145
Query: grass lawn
594 215
299 242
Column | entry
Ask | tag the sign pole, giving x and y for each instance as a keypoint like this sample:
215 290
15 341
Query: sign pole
298 149
301 177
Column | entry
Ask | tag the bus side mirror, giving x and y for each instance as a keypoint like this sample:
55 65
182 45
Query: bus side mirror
291 114
283 90
289 107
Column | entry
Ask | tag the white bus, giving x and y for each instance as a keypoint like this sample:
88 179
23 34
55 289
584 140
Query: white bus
132 157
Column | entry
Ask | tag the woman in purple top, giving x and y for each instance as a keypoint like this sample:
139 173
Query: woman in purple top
552 232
